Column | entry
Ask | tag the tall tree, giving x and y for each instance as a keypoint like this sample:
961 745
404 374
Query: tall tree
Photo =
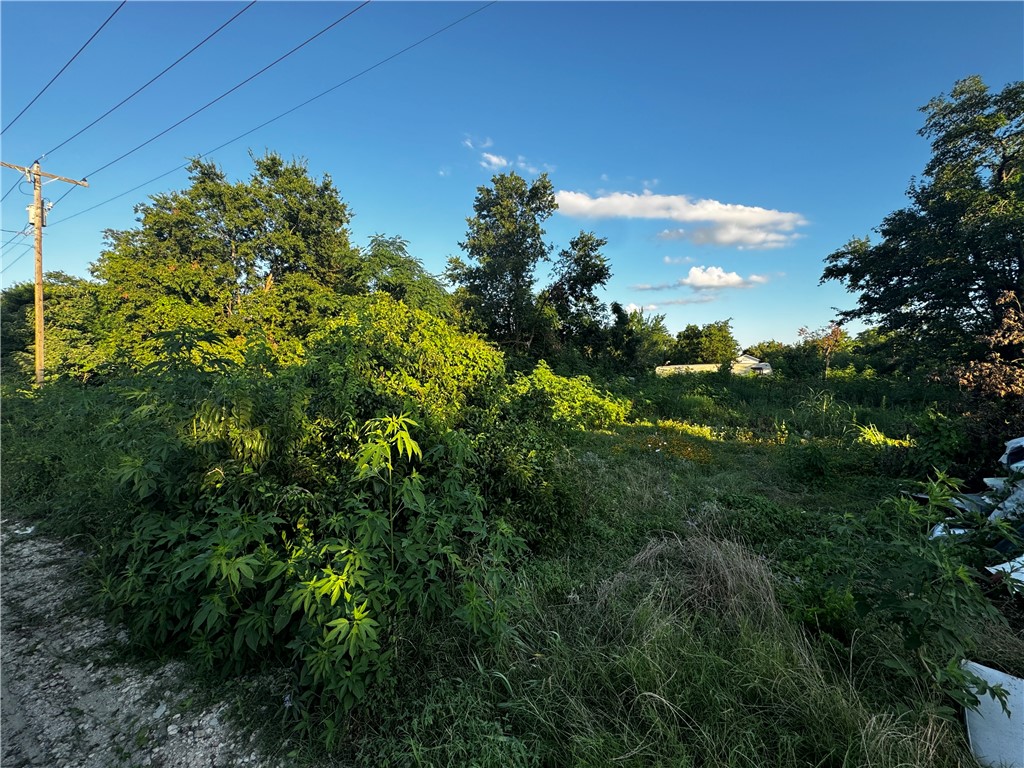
579 271
943 263
637 343
269 255
505 243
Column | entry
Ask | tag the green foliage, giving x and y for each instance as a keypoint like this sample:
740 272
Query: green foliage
384 355
72 317
268 256
928 588
505 242
939 444
569 403
637 342
942 263
711 343
387 267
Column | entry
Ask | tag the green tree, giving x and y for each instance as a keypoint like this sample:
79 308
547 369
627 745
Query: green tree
637 343
387 267
709 344
825 342
71 315
943 262
767 351
579 271
505 243
269 256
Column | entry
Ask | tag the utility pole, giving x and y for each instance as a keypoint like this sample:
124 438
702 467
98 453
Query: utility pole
39 220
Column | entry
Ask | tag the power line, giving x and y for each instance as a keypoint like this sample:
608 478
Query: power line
230 90
16 260
34 98
274 119
13 187
19 235
144 87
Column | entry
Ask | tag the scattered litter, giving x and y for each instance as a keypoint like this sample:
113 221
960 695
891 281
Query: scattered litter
997 739
25 531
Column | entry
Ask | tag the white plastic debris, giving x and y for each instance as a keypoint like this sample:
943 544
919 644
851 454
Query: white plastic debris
25 531
1013 457
1013 568
997 739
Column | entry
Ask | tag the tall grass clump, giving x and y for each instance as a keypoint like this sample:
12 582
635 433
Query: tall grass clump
685 657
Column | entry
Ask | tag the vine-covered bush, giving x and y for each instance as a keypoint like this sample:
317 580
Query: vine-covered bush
387 356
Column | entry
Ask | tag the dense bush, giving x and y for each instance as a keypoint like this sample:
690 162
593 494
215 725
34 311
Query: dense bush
312 515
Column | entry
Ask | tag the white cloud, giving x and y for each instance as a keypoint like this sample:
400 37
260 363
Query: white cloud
444 171
604 177
524 165
743 226
637 308
712 278
470 143
678 259
493 162
707 279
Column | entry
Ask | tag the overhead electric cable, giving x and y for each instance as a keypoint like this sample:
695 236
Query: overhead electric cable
230 90
274 119
10 189
16 260
17 236
139 90
34 98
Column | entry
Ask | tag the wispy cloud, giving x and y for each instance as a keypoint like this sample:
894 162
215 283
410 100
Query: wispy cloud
473 143
679 260
699 298
524 165
444 170
493 162
707 279
730 224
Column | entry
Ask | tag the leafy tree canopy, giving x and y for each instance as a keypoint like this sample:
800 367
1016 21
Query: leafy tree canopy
711 343
504 245
943 262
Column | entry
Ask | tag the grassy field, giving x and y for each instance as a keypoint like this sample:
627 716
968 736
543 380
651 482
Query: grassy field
732 588
702 613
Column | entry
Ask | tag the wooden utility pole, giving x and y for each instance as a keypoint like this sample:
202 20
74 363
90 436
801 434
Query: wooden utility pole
39 220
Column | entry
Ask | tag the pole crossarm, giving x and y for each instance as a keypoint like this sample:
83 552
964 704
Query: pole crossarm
82 183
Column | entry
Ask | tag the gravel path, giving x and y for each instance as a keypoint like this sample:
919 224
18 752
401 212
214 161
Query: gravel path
68 699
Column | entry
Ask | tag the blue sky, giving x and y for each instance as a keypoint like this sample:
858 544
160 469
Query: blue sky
723 149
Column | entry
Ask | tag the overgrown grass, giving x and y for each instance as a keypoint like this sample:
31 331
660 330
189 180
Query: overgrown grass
691 598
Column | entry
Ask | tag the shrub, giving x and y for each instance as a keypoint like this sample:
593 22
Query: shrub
570 403
387 357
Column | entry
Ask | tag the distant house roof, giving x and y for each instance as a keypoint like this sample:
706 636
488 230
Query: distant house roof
742 365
